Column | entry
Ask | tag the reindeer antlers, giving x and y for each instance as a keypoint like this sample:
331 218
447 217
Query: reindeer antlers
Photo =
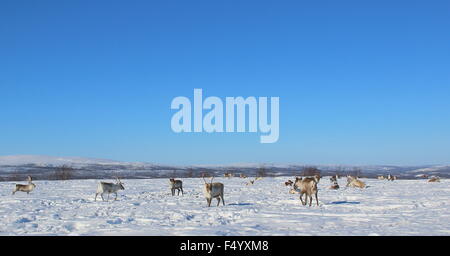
203 176
117 179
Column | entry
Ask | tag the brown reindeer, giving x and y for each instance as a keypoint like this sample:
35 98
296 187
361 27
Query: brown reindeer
434 179
25 188
306 186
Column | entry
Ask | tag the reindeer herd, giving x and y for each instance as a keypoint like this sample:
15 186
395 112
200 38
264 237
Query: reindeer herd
303 185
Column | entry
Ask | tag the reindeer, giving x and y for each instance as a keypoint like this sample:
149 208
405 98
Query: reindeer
306 186
381 177
105 187
176 185
213 190
334 183
434 179
353 182
228 175
391 177
251 182
243 176
25 188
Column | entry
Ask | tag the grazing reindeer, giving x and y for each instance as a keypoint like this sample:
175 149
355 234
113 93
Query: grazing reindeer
213 190
381 177
334 183
306 186
353 182
434 179
176 185
105 187
25 188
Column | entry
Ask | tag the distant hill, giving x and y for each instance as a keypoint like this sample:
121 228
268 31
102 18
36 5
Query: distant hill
17 167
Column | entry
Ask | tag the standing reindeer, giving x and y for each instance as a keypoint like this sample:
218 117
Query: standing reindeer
176 185
228 175
213 190
306 186
105 187
391 177
25 188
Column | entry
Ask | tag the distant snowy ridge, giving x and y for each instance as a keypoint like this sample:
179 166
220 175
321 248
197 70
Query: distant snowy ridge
52 160
44 166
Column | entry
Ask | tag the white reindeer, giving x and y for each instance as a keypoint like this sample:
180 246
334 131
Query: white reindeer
25 188
213 190
105 187
176 185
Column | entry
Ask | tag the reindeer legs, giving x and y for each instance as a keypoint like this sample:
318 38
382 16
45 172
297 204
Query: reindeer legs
301 199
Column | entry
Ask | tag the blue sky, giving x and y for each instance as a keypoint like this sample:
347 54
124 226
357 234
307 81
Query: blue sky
360 82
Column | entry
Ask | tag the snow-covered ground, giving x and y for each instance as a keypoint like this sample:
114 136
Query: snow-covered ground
146 207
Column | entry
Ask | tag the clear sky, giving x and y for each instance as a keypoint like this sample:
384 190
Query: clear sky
360 82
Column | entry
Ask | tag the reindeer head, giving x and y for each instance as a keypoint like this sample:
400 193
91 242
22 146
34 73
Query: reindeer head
30 179
317 178
120 183
208 186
